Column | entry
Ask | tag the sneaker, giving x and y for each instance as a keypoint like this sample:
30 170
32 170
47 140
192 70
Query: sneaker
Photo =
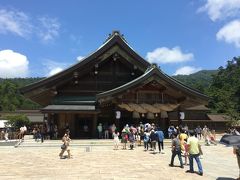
201 173
189 171
171 165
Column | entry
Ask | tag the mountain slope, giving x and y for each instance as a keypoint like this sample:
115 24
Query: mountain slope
200 80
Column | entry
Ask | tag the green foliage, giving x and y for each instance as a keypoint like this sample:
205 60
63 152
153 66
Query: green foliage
225 90
17 121
200 80
10 97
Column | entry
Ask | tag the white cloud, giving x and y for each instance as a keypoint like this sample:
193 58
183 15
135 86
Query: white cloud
16 22
221 9
13 64
49 29
55 71
230 33
20 24
186 70
165 55
53 67
80 58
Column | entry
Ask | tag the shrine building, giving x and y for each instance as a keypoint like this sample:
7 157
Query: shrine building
114 85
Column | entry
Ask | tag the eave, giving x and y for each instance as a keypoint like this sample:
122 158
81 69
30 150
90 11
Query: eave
154 70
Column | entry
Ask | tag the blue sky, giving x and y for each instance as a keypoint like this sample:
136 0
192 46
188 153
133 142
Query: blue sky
40 38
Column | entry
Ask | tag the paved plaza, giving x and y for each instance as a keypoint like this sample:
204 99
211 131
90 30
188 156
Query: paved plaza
102 162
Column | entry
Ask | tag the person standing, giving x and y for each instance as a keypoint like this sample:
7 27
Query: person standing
131 139
55 131
146 139
116 139
194 153
176 150
6 135
124 138
236 150
199 132
160 140
100 129
106 131
184 147
42 132
154 139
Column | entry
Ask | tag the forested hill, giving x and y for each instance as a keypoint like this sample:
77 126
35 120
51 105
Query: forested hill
11 99
20 82
222 86
200 80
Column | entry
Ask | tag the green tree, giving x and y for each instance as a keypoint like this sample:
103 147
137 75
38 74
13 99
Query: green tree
17 121
225 90
8 96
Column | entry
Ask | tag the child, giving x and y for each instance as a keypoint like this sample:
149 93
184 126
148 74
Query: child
146 140
116 139
131 139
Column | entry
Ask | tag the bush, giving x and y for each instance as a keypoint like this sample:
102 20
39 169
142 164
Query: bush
17 121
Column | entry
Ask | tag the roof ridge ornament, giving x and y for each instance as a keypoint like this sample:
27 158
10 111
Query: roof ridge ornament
153 66
115 33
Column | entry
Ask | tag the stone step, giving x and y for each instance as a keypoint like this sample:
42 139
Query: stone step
8 143
77 142
30 142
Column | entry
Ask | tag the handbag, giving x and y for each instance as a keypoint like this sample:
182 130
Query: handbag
63 146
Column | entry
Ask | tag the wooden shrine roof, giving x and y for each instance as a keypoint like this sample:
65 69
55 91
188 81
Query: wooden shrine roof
151 72
114 39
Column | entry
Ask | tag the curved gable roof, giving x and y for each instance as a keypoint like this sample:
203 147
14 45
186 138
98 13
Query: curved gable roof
114 39
154 70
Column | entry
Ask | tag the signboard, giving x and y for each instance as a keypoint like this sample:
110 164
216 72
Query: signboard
118 114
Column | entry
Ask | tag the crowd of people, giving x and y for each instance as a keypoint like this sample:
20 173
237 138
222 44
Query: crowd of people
44 131
147 134
184 142
104 131
8 133
208 135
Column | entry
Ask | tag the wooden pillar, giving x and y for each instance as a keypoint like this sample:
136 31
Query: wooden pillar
117 124
94 125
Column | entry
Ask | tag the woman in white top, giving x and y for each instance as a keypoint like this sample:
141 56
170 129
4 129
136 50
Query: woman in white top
115 139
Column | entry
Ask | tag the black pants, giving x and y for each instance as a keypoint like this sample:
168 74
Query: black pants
160 143
146 145
42 137
178 153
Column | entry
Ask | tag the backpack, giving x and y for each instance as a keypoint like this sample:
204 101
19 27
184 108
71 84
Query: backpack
146 138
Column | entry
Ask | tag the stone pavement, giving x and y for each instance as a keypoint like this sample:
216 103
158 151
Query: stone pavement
105 163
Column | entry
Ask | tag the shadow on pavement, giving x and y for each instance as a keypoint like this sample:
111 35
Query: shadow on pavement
225 178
